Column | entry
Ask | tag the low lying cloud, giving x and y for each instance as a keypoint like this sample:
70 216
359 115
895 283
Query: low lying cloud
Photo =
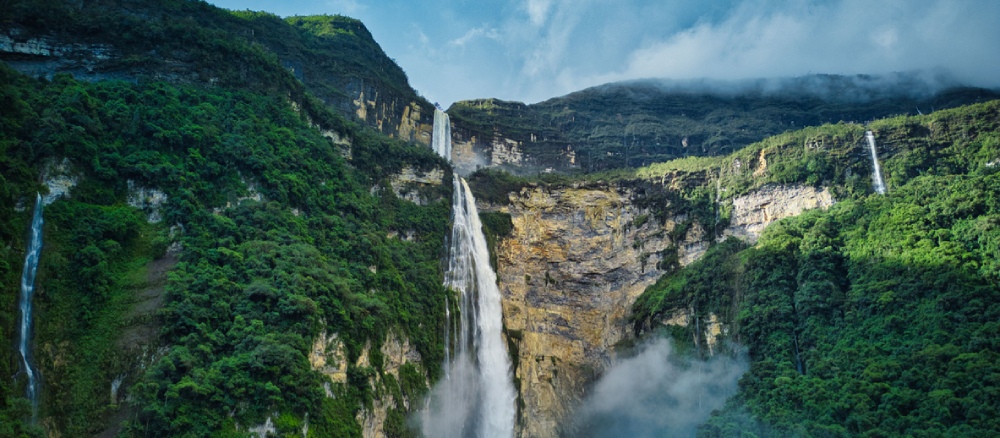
849 36
530 50
792 38
657 394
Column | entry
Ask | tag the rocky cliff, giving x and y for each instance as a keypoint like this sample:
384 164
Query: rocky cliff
472 150
576 261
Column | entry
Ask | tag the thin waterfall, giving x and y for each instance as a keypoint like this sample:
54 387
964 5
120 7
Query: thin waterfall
877 176
442 134
476 398
27 290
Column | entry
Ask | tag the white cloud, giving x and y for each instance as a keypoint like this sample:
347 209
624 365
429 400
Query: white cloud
477 32
538 10
844 37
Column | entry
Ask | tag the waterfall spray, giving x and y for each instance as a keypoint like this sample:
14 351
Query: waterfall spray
877 175
476 397
27 289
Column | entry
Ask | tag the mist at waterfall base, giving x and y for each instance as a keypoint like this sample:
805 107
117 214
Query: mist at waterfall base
658 393
476 396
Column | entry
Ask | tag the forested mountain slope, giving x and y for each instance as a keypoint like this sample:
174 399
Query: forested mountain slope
875 317
634 124
243 235
225 236
333 58
275 235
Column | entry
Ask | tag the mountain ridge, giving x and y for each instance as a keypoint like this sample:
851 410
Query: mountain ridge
636 123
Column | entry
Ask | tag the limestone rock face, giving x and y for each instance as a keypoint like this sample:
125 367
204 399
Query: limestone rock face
407 184
569 274
43 56
574 264
391 115
328 356
147 199
396 351
470 151
412 126
755 211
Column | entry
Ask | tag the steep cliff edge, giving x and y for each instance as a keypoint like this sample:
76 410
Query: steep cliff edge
575 262
580 253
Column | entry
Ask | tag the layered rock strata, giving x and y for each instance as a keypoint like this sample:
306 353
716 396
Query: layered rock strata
575 262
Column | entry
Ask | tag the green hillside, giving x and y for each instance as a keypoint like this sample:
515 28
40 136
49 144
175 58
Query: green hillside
332 58
634 124
228 208
876 317
256 280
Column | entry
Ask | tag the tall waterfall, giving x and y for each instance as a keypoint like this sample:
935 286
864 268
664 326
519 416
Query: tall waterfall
877 176
27 289
476 396
442 134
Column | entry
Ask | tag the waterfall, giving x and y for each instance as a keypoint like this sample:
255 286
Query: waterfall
877 176
476 396
27 288
442 134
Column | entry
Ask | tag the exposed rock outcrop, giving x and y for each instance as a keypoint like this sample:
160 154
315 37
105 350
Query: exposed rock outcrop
471 151
328 356
756 210
575 262
409 183
146 199
569 274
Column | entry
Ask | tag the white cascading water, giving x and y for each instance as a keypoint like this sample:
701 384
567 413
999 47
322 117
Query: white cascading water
877 176
442 134
476 397
27 289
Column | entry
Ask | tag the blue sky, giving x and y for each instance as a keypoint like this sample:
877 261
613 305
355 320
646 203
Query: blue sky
532 50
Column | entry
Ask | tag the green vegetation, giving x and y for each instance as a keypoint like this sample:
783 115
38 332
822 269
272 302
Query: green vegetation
638 123
256 281
333 58
876 317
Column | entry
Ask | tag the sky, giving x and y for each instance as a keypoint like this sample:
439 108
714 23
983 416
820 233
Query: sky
532 50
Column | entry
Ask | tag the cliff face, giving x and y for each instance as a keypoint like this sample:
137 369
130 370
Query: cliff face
568 274
328 356
390 114
471 150
576 261
756 210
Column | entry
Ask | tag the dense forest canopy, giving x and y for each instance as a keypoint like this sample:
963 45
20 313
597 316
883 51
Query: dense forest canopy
256 281
226 209
877 317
